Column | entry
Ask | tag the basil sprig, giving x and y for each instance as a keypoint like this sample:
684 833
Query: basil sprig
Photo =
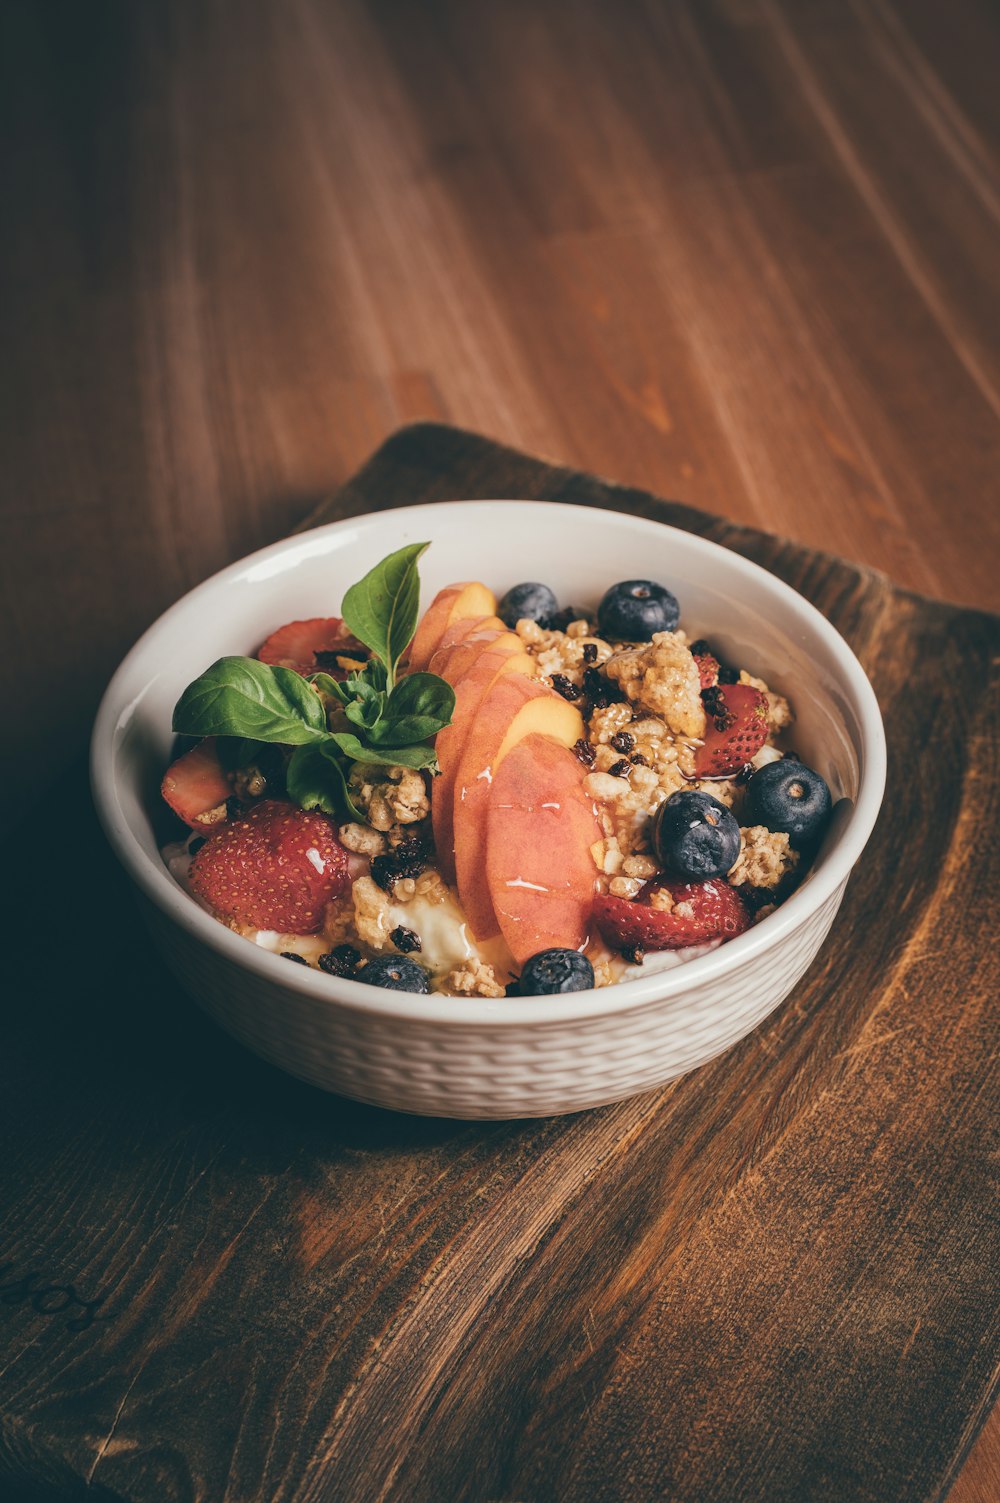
372 717
381 609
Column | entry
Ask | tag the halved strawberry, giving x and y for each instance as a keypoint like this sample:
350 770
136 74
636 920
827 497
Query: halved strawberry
276 868
708 664
308 646
196 785
700 912
736 729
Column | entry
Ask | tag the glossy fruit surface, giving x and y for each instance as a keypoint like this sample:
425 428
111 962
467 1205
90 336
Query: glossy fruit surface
308 646
530 600
635 609
735 729
551 972
540 832
789 797
396 973
276 868
700 912
196 784
695 836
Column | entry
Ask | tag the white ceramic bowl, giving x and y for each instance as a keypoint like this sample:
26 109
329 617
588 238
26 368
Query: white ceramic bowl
473 1058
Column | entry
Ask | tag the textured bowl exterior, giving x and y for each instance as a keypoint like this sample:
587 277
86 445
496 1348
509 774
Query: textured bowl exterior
473 1057
439 1070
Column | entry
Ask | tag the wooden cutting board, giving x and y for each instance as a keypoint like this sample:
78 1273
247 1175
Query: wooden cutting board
773 1279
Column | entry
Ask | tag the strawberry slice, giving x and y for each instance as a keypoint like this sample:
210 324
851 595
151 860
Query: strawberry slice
196 784
699 912
276 868
708 664
736 729
309 646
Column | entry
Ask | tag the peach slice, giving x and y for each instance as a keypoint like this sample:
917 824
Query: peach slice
540 827
450 743
454 664
513 708
459 632
469 599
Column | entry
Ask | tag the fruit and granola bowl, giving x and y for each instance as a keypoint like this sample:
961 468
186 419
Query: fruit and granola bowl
448 839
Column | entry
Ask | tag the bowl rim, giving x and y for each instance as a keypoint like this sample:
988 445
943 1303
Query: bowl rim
156 883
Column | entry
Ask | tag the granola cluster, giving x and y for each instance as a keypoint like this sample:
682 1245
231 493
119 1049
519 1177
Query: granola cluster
640 747
390 798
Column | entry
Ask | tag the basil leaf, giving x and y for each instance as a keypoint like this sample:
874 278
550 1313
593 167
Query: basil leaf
242 697
316 779
330 687
392 756
381 609
363 714
235 752
367 708
419 706
372 676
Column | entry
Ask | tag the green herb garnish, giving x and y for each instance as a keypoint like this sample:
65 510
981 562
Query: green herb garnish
372 717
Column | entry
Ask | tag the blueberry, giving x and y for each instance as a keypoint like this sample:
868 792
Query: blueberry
398 973
531 599
695 837
633 610
552 971
788 796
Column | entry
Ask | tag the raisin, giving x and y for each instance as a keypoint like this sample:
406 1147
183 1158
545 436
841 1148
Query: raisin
584 751
405 940
407 860
633 953
342 960
291 955
590 652
564 686
599 689
621 769
638 760
623 741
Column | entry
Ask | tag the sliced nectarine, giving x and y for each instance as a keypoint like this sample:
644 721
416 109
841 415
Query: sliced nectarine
457 633
457 662
540 827
470 599
512 709
450 743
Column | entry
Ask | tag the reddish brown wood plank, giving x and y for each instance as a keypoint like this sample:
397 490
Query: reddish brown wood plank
705 1292
739 252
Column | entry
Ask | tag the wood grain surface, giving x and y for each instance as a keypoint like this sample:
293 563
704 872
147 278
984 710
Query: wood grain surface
743 252
773 1279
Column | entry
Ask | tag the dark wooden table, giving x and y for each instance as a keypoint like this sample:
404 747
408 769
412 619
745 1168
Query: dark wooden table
741 252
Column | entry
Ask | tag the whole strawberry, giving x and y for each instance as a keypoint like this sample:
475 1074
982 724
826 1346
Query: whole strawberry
735 729
276 868
686 913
